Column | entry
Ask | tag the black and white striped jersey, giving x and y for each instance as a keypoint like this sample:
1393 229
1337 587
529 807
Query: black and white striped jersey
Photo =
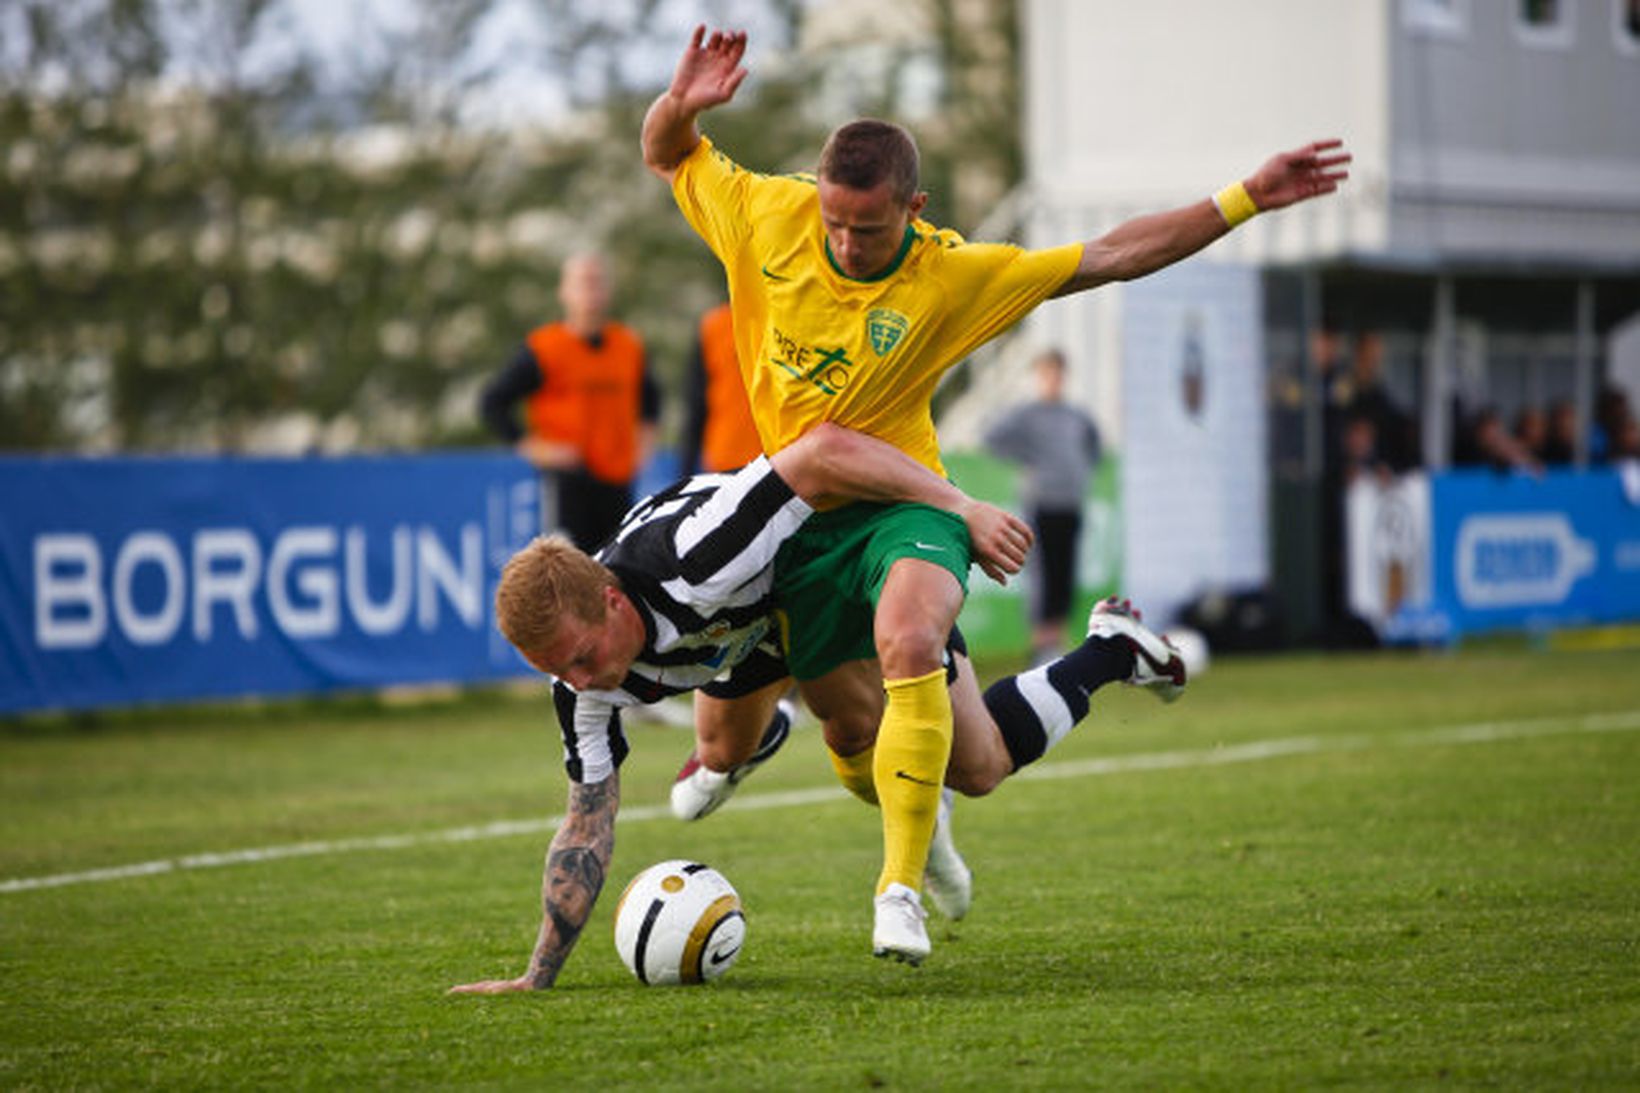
697 561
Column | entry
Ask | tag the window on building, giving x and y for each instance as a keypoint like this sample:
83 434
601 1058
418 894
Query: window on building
1445 18
1626 26
1545 22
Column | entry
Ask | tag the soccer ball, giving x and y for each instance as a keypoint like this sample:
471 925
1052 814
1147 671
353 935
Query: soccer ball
679 922
1192 647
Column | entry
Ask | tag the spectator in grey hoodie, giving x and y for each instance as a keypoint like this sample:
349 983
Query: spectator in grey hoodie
1057 445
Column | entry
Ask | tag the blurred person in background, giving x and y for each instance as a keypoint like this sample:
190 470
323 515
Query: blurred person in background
1364 392
1486 443
1359 451
1366 436
1560 439
1612 415
1532 431
718 432
589 405
1626 441
1057 445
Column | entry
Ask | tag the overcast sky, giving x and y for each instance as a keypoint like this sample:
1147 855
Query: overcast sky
517 41
515 44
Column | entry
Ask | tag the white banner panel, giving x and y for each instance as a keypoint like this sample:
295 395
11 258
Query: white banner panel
1194 481
1387 547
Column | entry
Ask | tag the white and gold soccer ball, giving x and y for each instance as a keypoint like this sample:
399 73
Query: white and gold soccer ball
1192 647
679 922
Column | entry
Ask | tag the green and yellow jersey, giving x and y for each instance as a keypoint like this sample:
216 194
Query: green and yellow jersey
817 345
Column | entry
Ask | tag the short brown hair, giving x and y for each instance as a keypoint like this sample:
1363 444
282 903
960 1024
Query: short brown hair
866 152
540 583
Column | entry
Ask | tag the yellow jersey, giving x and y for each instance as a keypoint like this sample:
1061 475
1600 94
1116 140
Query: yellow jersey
817 345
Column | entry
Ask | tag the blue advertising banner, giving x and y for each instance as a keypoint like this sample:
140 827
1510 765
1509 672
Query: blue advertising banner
1460 552
1515 551
141 580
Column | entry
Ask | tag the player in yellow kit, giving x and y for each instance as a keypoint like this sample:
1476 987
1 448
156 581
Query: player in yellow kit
848 308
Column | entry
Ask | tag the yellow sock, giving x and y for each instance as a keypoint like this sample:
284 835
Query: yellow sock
854 771
913 747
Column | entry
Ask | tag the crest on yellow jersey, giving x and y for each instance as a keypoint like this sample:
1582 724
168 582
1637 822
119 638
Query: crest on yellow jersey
885 327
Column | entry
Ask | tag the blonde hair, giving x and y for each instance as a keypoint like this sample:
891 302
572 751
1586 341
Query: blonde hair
542 582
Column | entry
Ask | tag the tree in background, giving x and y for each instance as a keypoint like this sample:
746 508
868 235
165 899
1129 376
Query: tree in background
974 152
213 239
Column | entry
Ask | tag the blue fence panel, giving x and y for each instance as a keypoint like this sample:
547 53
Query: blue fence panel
140 580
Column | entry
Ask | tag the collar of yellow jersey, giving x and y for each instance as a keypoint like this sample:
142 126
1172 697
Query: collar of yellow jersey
886 271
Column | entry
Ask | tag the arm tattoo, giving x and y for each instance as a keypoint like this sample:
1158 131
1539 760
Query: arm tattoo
577 863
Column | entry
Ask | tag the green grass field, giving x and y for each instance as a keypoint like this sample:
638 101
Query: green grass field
1386 871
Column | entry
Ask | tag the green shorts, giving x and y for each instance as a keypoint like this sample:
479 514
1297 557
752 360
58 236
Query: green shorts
829 575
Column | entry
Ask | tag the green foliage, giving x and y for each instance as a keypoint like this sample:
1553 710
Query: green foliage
974 154
196 261
1384 905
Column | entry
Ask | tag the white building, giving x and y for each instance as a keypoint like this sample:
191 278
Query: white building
1489 236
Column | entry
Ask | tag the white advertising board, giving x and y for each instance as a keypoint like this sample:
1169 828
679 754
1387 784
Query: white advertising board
1193 462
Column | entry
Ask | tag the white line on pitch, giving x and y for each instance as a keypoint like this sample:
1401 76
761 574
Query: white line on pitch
1478 733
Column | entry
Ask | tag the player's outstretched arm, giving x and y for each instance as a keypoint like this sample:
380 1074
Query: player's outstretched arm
1146 244
829 465
577 863
707 75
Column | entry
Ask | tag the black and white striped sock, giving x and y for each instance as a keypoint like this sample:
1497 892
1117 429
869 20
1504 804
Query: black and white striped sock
1035 709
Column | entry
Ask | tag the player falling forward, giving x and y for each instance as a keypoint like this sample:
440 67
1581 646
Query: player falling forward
848 308
680 599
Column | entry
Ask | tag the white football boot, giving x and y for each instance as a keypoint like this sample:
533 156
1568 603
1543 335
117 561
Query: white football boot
699 791
898 932
1157 665
947 879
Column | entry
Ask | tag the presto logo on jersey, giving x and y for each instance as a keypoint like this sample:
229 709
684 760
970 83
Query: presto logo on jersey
831 369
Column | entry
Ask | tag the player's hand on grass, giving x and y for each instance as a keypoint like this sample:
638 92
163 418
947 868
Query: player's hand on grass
1000 539
496 986
709 70
1290 177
